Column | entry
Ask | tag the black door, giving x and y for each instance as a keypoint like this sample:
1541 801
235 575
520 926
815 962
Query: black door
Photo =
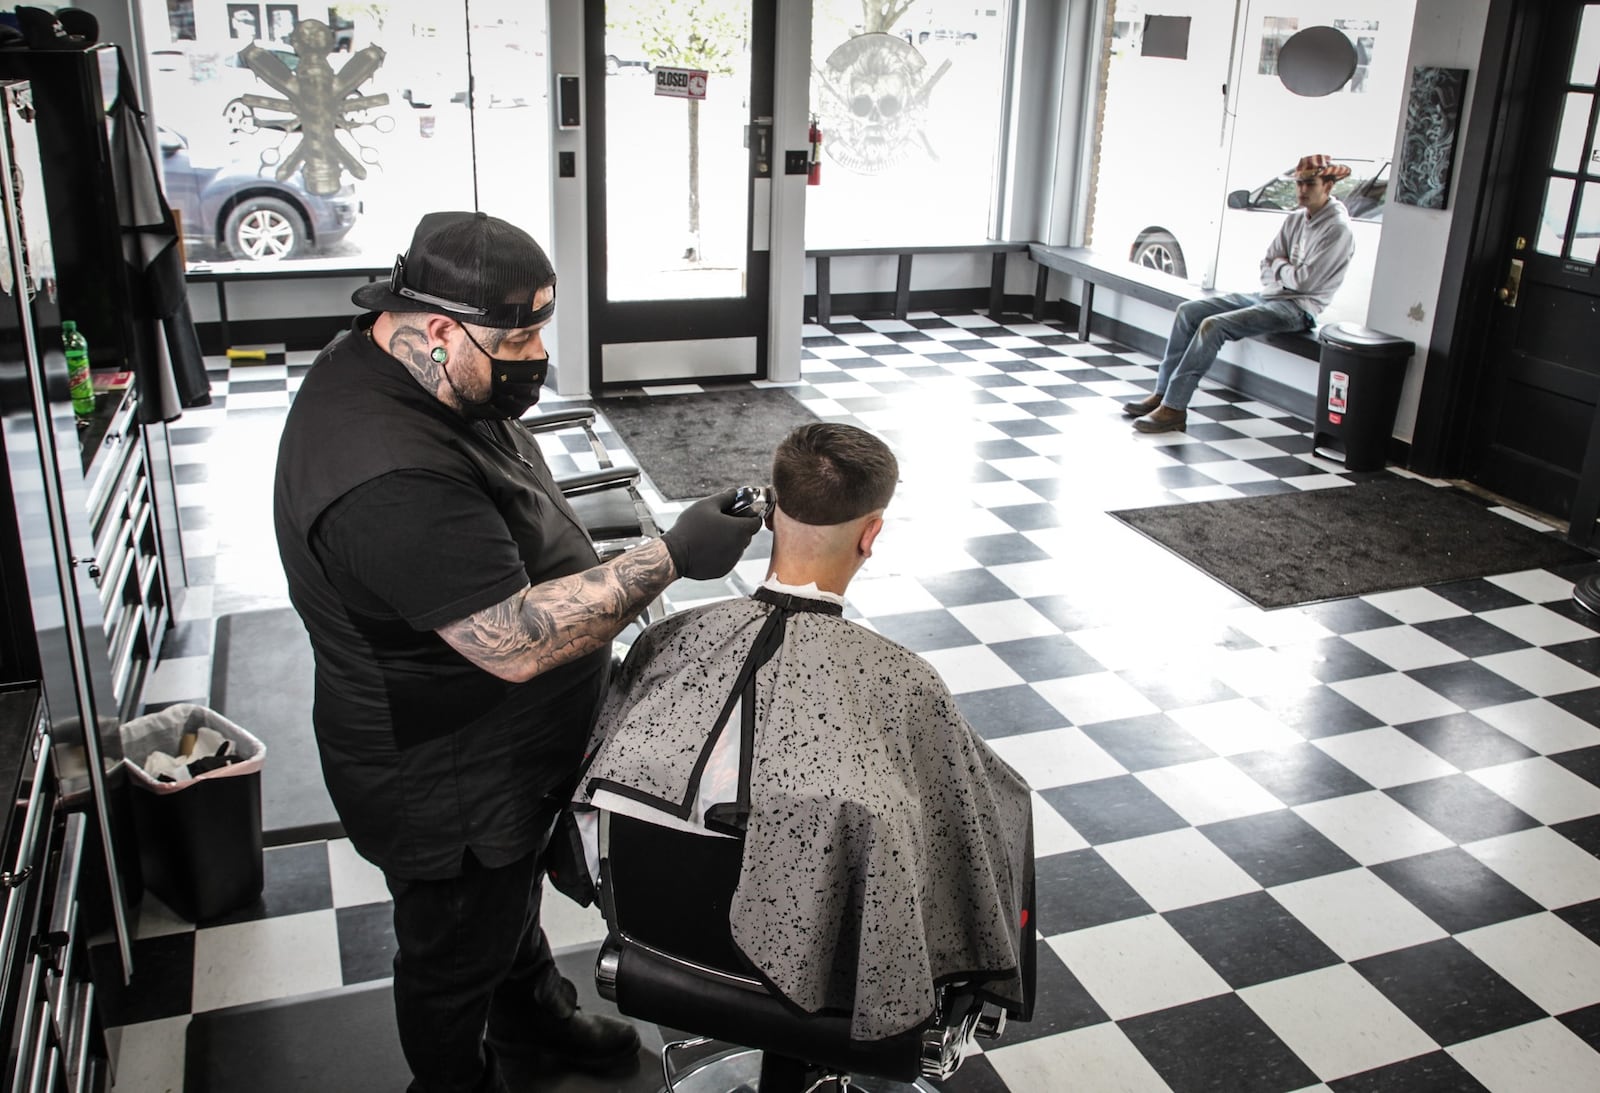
1533 438
680 168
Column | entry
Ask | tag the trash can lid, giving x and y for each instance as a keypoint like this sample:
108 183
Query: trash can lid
1365 341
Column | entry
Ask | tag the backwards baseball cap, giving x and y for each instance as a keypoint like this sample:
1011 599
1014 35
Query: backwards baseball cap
472 267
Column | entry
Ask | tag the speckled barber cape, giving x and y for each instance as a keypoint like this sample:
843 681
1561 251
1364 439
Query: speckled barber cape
887 851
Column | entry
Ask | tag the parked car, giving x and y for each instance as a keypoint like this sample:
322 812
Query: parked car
242 210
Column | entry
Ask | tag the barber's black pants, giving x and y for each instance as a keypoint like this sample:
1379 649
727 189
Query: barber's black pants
469 947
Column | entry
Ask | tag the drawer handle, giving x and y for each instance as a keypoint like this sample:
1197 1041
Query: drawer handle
8 879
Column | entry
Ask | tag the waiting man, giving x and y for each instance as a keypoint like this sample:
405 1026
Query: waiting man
1304 267
887 848
462 628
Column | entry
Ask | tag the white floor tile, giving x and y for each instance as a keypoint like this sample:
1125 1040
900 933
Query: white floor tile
1004 620
1253 672
1057 757
1542 957
268 958
1372 827
1537 624
1336 1021
179 679
1099 1058
1403 648
1235 726
355 880
1385 757
1542 788
1093 697
1538 585
1208 791
1356 914
1051 833
874 596
1137 966
1541 1057
1395 699
1540 672
1541 725
1177 869
1550 868
568 926
1415 605
971 668
150 1055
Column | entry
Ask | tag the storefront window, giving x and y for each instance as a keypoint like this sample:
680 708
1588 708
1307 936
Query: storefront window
1181 187
318 136
907 96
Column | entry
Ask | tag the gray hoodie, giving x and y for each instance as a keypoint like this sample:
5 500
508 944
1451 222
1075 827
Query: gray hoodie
1306 263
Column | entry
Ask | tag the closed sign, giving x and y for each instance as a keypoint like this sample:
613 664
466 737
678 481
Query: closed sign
681 83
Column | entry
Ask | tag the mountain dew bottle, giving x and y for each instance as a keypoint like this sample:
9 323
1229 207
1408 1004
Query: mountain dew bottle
79 379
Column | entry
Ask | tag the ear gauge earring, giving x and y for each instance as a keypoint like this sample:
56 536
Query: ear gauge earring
440 354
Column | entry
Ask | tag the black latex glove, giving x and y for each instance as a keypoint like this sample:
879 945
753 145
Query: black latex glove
705 542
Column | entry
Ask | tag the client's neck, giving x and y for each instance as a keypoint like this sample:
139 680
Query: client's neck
805 554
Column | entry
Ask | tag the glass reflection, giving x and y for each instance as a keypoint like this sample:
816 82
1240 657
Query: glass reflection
1569 138
1586 234
1586 56
1557 211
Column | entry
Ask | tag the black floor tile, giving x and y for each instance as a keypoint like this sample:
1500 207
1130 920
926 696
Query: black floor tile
1061 1003
1264 489
1080 889
1216 1044
1584 654
1110 809
976 1075
1029 517
1584 833
1300 774
1469 685
1466 742
1171 690
922 631
966 586
1007 549
296 881
1585 1023
1251 939
1334 659
1007 711
1583 917
1070 615
1051 656
1455 889
1435 1072
162 984
1449 993
1471 636
1348 616
366 942
1277 848
1461 808
1317 713
1478 595
1148 741
1584 762
191 638
1584 704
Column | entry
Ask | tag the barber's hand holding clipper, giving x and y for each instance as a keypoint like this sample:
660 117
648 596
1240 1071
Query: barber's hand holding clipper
706 541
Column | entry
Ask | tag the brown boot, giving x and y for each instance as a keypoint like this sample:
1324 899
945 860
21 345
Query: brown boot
1163 419
1142 407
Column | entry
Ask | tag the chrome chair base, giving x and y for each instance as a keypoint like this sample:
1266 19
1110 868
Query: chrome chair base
738 1070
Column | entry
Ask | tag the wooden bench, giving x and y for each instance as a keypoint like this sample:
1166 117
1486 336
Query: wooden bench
1127 279
902 290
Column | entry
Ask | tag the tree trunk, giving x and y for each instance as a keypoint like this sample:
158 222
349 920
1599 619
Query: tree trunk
692 251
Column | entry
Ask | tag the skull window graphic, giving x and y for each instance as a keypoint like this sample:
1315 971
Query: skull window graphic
874 102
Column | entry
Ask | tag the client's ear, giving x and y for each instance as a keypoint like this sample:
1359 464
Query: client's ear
869 534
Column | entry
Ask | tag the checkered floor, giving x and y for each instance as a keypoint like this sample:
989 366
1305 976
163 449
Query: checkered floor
1351 846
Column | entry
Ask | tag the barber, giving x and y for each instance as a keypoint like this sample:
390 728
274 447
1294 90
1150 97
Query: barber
462 624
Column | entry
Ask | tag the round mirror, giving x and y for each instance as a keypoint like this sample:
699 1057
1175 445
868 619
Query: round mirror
1317 61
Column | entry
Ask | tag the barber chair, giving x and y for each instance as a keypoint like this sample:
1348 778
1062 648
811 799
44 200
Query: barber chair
670 959
607 500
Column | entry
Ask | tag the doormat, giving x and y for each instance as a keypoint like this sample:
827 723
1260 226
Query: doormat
696 444
261 680
1375 536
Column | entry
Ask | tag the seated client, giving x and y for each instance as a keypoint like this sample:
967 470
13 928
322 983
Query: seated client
887 849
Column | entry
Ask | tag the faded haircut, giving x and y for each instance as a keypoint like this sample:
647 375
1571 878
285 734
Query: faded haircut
828 473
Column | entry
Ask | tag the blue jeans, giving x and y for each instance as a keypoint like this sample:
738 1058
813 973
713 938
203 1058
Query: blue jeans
1201 328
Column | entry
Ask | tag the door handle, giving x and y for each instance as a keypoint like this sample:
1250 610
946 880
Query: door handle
1508 291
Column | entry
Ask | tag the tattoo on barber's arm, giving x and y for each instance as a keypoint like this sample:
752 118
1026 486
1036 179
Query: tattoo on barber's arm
558 621
409 345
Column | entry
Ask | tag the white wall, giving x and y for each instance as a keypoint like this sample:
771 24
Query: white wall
1405 284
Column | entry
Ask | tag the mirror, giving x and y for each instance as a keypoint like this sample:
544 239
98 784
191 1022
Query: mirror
1239 199
1317 61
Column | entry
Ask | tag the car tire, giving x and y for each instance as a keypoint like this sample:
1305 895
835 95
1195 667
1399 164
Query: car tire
264 229
239 116
1159 250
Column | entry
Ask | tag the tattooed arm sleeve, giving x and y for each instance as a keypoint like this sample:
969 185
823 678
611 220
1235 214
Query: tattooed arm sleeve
545 626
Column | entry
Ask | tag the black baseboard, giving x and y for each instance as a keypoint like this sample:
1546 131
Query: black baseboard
880 305
298 333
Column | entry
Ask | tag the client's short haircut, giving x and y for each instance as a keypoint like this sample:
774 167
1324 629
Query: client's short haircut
830 473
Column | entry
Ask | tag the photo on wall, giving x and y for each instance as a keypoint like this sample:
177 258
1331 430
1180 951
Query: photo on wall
244 21
1427 154
281 19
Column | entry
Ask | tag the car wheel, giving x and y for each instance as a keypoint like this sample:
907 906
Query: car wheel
239 117
264 229
1159 250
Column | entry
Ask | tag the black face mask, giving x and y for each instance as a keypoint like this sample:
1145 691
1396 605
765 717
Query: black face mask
513 387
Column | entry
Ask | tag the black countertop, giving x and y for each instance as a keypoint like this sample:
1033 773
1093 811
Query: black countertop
19 713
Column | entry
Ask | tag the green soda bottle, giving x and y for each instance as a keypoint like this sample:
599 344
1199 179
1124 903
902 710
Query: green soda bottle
79 379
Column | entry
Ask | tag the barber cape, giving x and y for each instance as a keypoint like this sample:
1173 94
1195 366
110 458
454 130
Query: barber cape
887 849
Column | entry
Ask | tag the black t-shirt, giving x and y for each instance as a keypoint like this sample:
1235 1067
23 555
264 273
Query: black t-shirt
396 517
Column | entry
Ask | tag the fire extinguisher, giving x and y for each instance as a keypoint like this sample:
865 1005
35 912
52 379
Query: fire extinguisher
814 168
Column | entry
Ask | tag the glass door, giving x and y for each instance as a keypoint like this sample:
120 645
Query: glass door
680 163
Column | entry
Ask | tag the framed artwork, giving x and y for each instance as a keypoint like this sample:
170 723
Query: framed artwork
244 21
1427 155
281 19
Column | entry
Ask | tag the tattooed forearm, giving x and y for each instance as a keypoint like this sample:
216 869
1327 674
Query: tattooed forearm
546 626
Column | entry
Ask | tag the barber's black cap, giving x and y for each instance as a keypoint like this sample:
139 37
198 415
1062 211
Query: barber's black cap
470 266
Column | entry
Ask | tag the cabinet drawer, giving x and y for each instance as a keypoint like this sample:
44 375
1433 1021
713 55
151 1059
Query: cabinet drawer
18 877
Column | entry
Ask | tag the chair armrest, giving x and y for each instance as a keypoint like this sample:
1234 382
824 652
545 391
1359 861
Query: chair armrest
587 482
551 420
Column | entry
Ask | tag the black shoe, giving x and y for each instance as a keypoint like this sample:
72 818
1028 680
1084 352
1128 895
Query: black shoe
591 1042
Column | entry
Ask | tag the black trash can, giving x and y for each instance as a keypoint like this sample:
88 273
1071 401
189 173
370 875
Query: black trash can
1357 394
200 846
